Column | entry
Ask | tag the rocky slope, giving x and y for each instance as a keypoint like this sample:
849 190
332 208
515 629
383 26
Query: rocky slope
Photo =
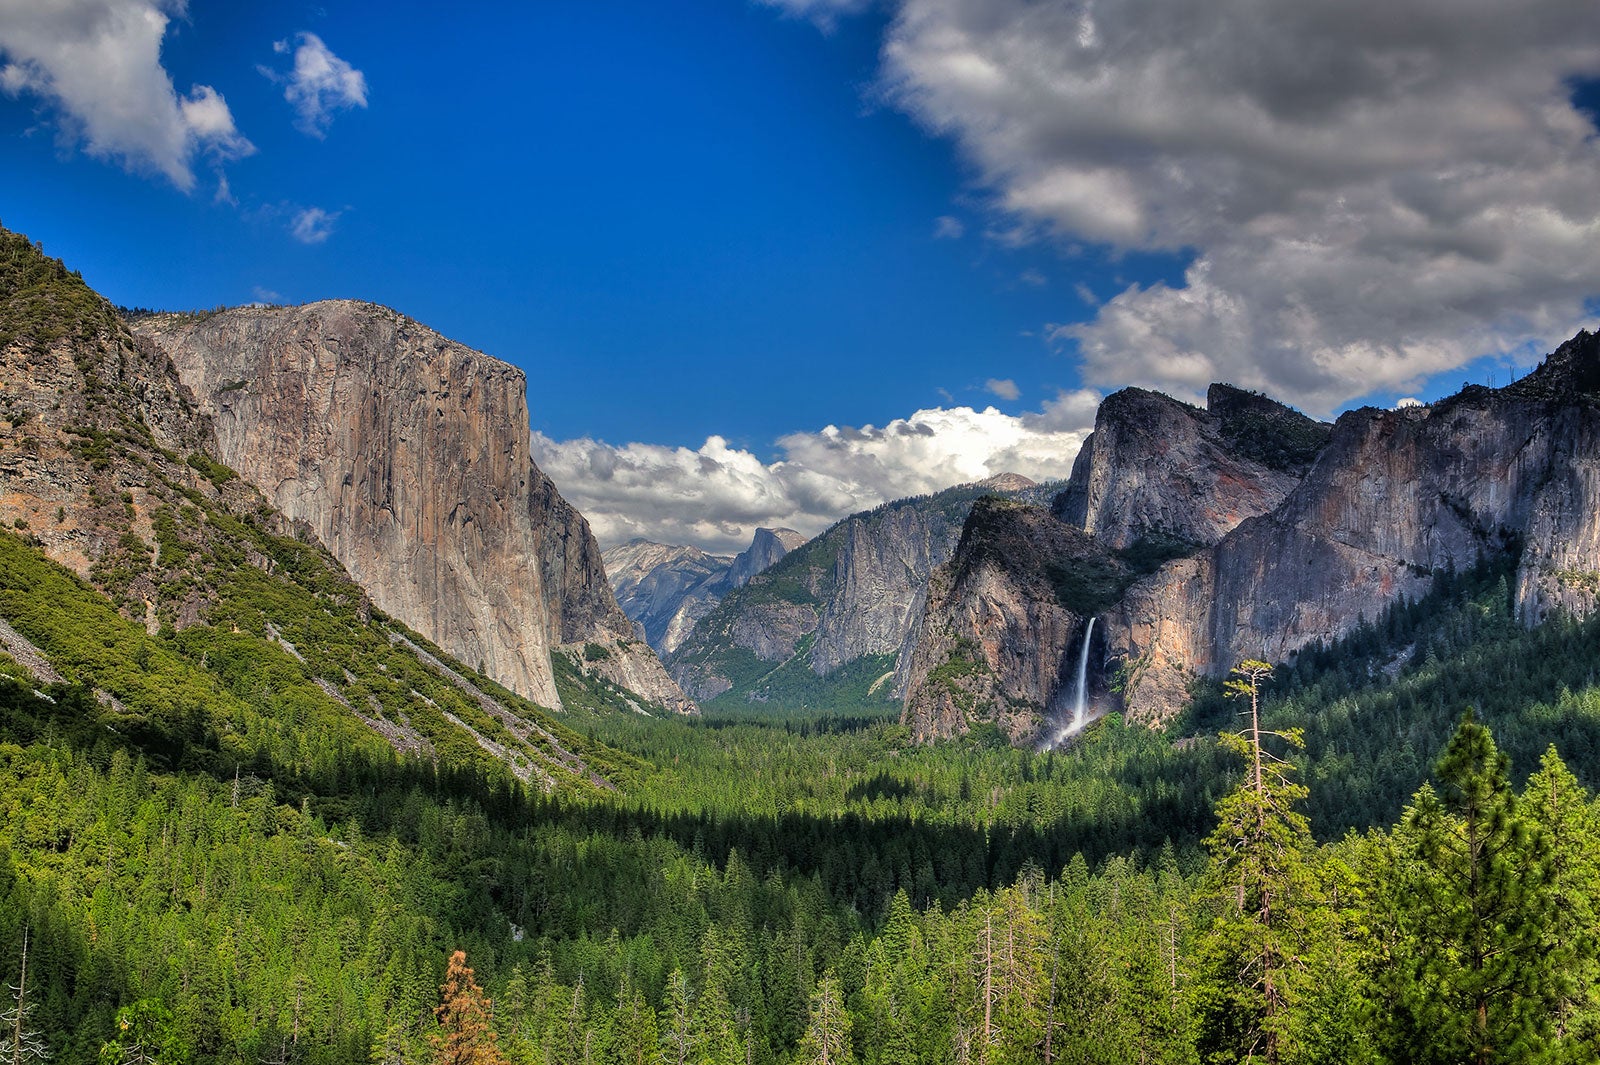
407 455
666 590
829 620
1396 495
1249 532
202 618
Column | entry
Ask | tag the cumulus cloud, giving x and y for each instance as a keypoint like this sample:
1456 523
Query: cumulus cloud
97 63
318 84
715 496
313 225
1005 388
1368 193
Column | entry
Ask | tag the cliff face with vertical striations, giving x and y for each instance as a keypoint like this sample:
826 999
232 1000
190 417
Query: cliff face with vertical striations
203 619
1250 532
1395 495
407 455
831 618
1155 467
1000 615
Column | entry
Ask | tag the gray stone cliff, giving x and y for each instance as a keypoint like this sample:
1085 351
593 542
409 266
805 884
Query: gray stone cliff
408 456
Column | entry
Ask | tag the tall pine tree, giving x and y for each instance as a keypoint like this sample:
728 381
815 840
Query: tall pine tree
1264 886
466 1023
1468 978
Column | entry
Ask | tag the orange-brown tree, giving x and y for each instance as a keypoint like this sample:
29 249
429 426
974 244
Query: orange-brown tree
466 1019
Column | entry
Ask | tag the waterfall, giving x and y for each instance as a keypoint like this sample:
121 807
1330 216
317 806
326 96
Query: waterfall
1080 706
1080 696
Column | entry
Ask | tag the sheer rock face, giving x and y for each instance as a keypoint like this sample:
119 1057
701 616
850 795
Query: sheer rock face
1154 465
995 638
855 591
408 456
665 589
766 548
1291 533
1395 495
1156 479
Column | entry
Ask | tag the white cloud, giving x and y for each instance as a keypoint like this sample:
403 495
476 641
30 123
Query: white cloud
948 227
313 225
1004 388
1370 192
1033 278
319 83
98 64
715 496
823 12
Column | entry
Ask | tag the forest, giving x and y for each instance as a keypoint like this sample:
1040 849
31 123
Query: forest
1386 853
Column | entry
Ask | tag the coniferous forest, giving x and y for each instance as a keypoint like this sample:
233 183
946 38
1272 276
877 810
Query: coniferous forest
1346 861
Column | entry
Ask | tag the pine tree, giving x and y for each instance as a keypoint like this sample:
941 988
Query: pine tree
19 1042
679 1039
1259 851
146 1035
1559 805
1468 979
466 1022
827 1038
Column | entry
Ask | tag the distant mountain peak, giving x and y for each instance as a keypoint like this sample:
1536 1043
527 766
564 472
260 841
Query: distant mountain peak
1008 482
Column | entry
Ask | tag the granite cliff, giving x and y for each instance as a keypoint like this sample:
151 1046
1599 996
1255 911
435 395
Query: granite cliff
1248 531
407 455
202 619
829 620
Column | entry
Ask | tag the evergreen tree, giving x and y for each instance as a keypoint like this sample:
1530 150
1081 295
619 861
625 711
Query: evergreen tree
827 1038
146 1035
1468 978
679 1038
1260 871
466 1021
1558 804
20 1043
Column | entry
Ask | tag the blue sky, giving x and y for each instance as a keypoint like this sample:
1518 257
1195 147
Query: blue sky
711 230
632 201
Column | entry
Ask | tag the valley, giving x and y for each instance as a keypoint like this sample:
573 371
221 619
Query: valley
311 679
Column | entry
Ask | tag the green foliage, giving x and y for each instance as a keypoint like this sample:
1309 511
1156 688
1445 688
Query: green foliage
1271 434
42 302
210 468
1089 586
1471 973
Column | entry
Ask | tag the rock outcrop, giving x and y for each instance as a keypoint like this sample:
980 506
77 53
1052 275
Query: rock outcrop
766 548
1248 531
665 589
108 468
1395 496
407 455
1158 468
999 617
